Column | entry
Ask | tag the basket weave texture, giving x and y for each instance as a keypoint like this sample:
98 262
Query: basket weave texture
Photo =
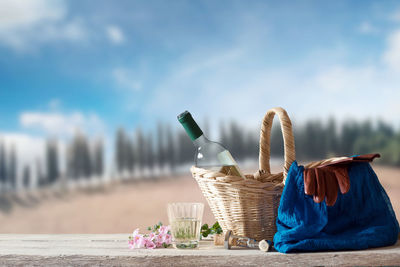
249 206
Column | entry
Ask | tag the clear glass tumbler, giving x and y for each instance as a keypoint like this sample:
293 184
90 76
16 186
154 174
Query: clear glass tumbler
185 220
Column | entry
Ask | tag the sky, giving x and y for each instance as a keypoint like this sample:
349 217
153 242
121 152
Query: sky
99 65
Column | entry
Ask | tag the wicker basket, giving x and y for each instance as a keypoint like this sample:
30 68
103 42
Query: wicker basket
249 206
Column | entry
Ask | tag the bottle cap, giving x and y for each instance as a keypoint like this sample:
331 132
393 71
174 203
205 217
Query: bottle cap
191 127
264 245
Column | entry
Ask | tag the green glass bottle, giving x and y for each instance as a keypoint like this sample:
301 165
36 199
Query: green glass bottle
209 155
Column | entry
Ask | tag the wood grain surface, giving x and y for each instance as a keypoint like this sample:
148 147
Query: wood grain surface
89 249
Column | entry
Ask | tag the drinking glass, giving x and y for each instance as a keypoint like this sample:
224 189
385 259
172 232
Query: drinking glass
185 220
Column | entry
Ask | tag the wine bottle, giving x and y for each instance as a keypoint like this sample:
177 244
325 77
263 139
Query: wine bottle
209 155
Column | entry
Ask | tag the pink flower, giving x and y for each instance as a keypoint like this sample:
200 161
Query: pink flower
131 244
168 239
151 236
136 232
164 229
137 239
159 240
149 244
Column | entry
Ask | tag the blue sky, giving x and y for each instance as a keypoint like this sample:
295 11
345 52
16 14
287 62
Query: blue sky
99 65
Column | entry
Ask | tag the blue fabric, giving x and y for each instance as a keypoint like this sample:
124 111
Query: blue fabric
362 218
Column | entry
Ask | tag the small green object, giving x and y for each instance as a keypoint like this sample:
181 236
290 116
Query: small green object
149 228
190 125
215 229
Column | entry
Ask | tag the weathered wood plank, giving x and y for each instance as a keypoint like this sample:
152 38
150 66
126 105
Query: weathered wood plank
112 250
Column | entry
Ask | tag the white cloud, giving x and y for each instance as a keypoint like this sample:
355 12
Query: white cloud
392 54
342 79
367 28
55 123
115 34
24 24
125 79
20 14
28 147
395 16
217 84
226 85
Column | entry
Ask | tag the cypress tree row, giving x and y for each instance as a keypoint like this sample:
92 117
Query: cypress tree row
173 149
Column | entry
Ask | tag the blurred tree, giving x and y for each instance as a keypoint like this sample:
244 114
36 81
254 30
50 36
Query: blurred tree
299 141
84 151
129 155
367 136
236 143
391 152
381 139
362 146
276 141
186 148
382 136
12 168
52 161
310 141
170 148
149 151
366 129
98 158
79 157
140 148
251 145
161 149
223 135
41 179
385 129
3 170
331 138
71 168
121 147
350 133
26 176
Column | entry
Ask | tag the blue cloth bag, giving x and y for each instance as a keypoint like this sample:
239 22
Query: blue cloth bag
362 218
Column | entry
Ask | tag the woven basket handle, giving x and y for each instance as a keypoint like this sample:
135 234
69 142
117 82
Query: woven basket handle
265 140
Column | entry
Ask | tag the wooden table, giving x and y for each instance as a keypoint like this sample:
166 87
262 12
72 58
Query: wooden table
113 250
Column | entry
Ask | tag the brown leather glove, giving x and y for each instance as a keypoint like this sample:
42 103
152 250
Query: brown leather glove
325 180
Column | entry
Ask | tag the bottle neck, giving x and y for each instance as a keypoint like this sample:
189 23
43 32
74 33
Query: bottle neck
190 126
201 140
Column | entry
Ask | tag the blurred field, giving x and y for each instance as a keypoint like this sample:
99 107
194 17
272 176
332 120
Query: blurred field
121 207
